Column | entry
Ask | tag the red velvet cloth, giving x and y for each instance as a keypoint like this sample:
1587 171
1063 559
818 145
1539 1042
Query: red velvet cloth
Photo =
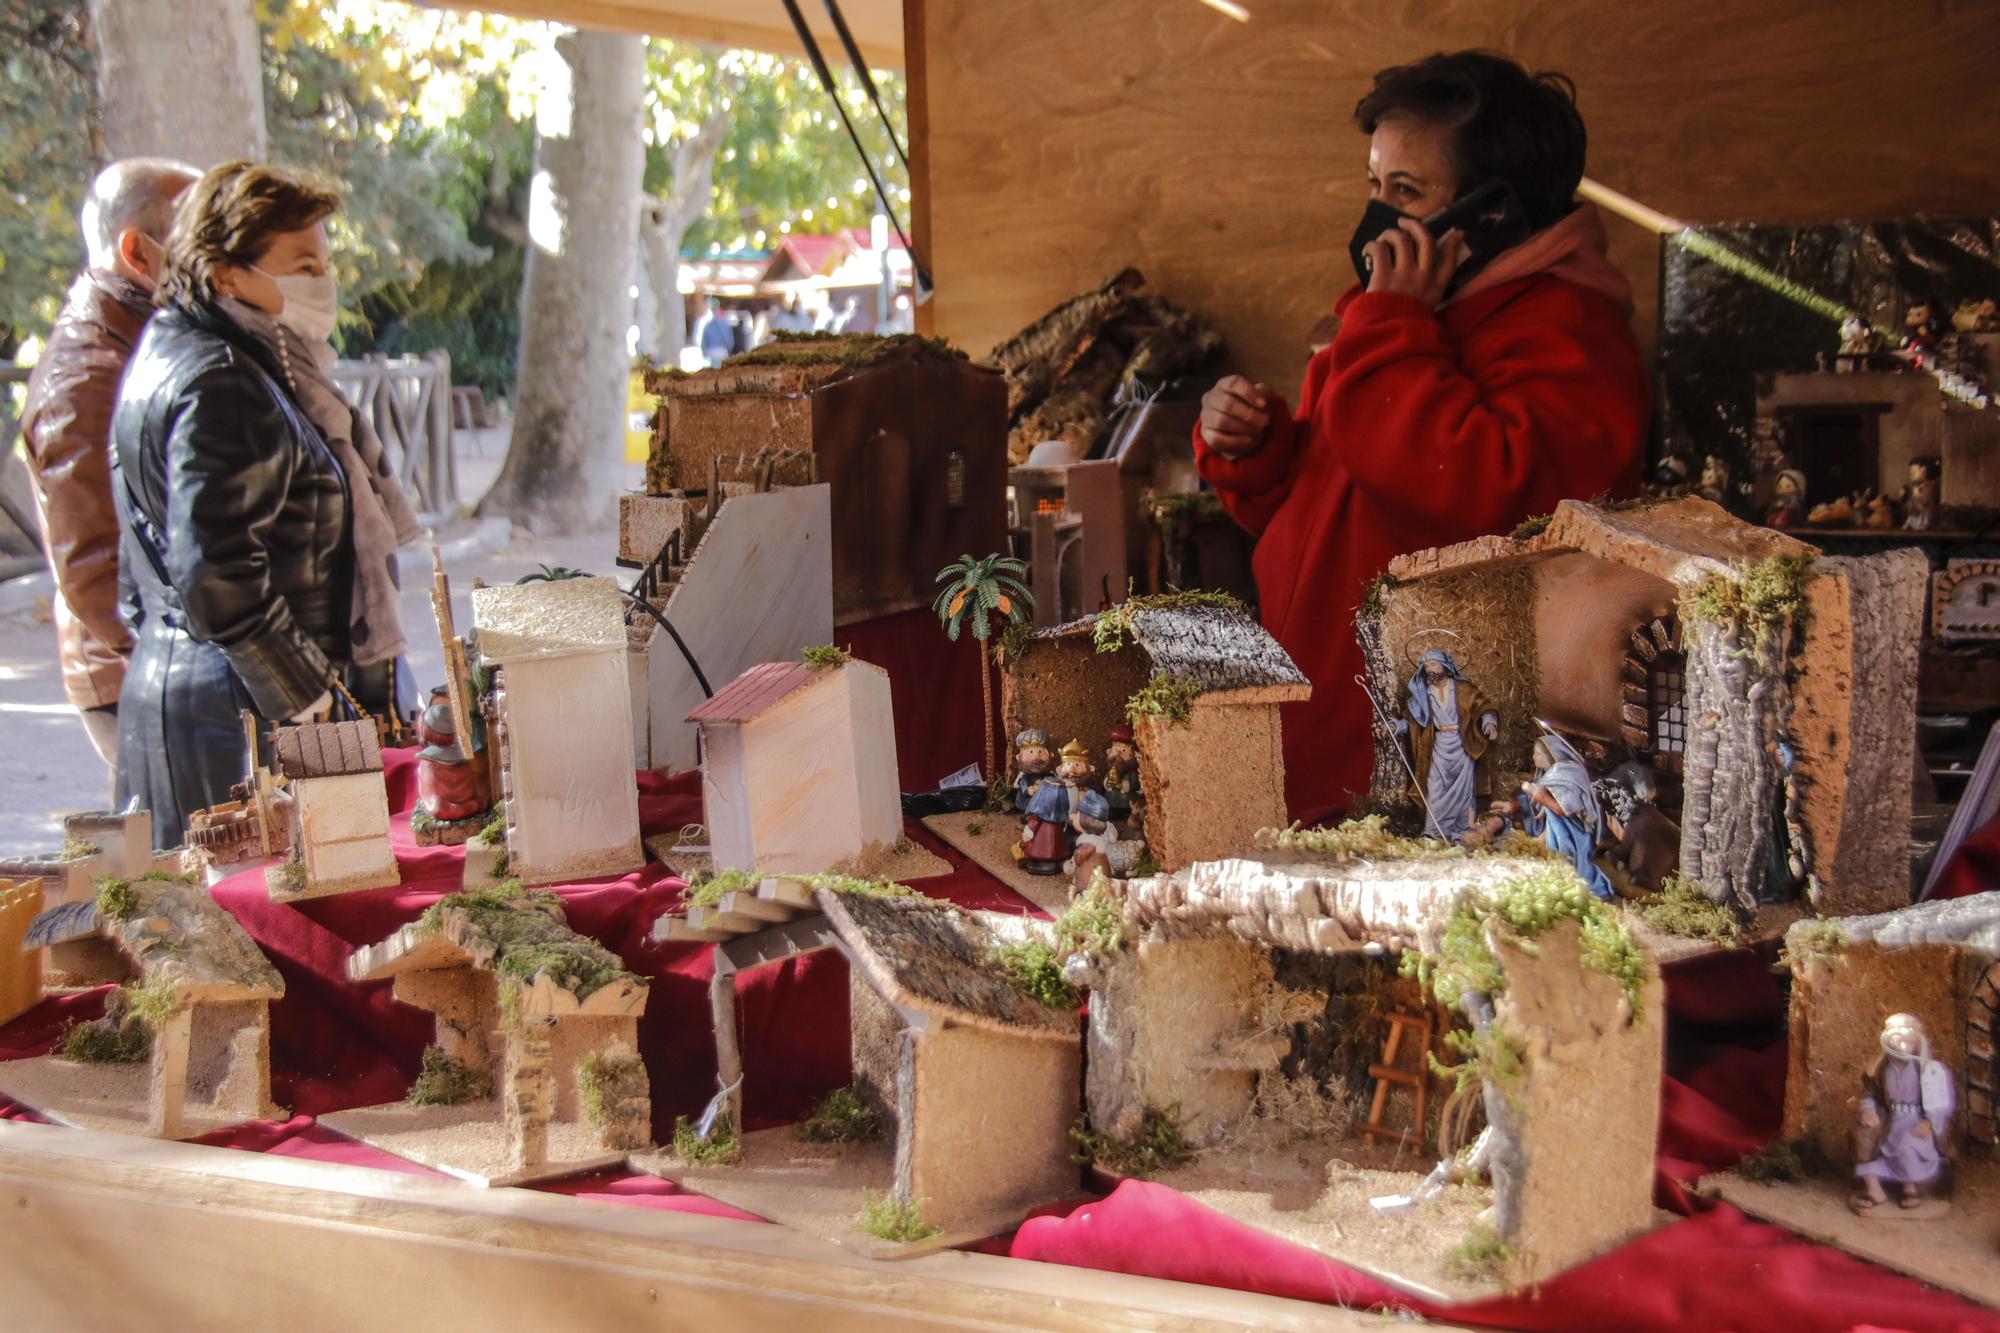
1418 428
1975 866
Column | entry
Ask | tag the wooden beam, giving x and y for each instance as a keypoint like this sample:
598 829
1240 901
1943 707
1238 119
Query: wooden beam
714 23
128 1230
916 112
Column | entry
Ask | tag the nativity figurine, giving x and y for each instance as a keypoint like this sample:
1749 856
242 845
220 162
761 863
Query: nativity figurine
1920 498
1788 506
1092 836
1032 761
1045 833
1644 843
1121 776
1714 486
1902 1129
1449 729
1559 808
452 799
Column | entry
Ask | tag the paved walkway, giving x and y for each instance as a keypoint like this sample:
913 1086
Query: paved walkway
47 768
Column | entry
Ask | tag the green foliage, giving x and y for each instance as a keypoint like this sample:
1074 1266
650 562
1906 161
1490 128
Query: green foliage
720 1148
115 899
529 937
841 1117
552 574
502 864
1035 969
51 145
1817 938
975 589
607 1077
1532 527
975 828
1094 921
151 1002
289 876
1787 1161
1165 695
1159 1144
1481 1257
104 1041
865 888
1171 509
76 847
1115 629
708 890
493 832
900 1222
825 657
1485 1057
448 1082
1013 641
1682 909
1768 599
1372 603
1367 838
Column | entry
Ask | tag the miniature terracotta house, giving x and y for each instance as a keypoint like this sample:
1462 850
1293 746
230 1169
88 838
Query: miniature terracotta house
96 843
563 722
339 811
1211 780
1799 733
211 1056
20 964
1225 1002
977 1081
526 1037
799 769
910 437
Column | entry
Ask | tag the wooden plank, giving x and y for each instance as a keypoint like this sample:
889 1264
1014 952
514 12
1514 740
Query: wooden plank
758 908
787 891
224 1235
673 930
713 919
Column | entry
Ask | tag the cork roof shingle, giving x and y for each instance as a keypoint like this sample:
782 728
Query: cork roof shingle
543 619
328 749
1972 923
1220 648
754 691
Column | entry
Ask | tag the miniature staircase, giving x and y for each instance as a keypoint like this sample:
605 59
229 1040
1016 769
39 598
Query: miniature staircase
1389 1073
774 902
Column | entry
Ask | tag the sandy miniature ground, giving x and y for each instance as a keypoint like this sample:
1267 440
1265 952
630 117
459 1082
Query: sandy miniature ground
113 1099
469 1141
1959 1251
356 884
815 1188
1301 1191
991 848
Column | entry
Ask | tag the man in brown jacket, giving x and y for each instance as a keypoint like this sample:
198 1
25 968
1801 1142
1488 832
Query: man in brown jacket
67 426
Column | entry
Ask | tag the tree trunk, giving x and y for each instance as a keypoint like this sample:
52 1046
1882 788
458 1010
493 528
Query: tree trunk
663 221
986 710
179 81
568 446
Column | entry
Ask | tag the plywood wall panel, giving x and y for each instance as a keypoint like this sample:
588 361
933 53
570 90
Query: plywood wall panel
1065 140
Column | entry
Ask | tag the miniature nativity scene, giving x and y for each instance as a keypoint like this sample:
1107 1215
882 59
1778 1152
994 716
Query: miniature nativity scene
184 1044
535 1072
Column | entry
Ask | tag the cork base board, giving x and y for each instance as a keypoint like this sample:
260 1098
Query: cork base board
1309 1193
991 850
470 1141
112 1099
1959 1251
815 1188
915 863
387 878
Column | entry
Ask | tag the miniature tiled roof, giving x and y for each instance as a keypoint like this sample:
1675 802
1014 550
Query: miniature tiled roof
328 749
754 691
558 618
1219 648
1972 923
61 924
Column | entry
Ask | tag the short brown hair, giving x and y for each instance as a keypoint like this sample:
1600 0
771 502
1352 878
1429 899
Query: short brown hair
231 216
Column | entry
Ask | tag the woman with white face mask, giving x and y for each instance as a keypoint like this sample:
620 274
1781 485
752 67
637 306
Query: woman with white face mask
259 516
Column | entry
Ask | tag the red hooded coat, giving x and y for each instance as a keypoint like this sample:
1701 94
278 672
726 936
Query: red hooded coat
1423 427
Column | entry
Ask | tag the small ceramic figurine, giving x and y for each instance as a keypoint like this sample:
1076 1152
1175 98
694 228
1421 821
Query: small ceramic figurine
1858 341
1092 835
1834 513
451 788
1880 514
1449 729
1670 476
1644 842
1975 315
1922 327
1121 775
1714 485
1045 833
1788 506
1560 808
1032 761
1901 1133
1920 498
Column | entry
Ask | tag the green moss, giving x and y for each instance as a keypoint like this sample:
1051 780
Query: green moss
841 1117
289 877
152 1002
1532 527
849 350
1159 1144
1114 629
975 828
106 1041
1787 1161
720 1148
1817 938
529 937
1481 1257
493 832
115 899
76 847
1169 509
825 657
1373 602
1035 969
1367 838
865 888
1768 595
1094 921
900 1222
708 890
503 864
1490 1057
423 821
608 1077
445 1081
1013 641
1683 910
1167 696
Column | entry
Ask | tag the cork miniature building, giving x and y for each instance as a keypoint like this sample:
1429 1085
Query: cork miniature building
1199 681
1772 692
339 838
20 965
965 1086
799 768
909 436
1253 1011
562 719
185 1047
96 843
535 1072
1939 961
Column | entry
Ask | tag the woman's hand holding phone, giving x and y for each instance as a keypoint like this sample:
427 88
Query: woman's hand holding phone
1408 261
1235 415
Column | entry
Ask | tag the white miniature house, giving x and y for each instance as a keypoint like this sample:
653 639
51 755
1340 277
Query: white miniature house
799 766
563 711
340 812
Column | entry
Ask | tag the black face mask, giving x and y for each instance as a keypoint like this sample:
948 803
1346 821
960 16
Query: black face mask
1490 218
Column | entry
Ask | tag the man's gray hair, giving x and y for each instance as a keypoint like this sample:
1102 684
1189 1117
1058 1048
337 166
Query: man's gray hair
135 192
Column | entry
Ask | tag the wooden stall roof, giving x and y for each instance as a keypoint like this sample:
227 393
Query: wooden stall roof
877 25
548 618
1221 649
328 749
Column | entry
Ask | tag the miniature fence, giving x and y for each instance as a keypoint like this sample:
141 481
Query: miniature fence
409 400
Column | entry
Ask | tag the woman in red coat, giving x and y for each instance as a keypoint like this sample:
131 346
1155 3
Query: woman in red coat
1468 386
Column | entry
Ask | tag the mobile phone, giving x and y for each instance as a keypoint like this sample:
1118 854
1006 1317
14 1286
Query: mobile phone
1490 218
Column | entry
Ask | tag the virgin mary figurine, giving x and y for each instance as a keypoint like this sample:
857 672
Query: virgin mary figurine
1560 808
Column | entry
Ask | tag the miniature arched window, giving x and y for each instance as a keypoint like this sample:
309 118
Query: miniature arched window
1654 716
954 479
1982 1072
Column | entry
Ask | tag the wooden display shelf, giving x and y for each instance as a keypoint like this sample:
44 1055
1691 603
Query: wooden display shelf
140 1233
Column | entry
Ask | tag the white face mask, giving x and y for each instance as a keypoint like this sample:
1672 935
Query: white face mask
312 303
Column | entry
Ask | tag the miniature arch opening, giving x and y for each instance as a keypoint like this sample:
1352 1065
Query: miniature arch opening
1589 613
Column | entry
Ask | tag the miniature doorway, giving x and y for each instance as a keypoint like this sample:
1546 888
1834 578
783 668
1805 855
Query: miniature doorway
1838 447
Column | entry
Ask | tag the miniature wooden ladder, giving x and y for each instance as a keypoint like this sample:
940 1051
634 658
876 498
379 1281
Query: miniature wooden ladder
1389 1073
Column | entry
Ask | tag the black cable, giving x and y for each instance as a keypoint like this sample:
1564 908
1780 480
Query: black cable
867 79
811 44
707 690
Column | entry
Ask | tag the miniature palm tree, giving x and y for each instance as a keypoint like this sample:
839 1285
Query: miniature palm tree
976 590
